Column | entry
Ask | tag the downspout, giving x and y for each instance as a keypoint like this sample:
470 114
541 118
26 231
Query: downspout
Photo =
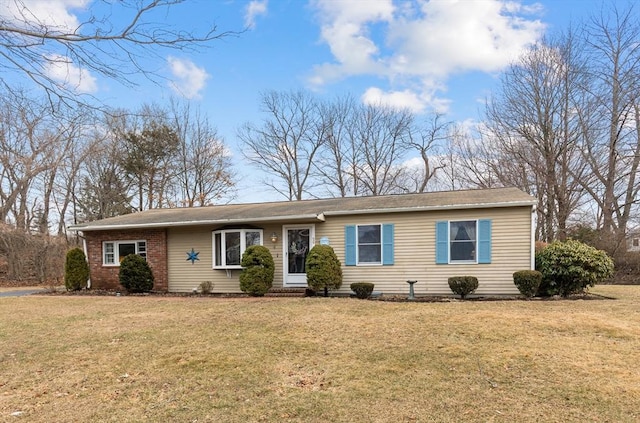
533 238
86 257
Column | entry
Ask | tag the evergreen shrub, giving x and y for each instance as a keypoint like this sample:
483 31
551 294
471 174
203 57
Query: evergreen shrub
463 285
527 282
257 270
323 268
362 290
76 270
135 274
570 267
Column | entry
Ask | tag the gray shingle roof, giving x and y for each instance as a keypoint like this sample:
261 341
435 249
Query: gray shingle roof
313 209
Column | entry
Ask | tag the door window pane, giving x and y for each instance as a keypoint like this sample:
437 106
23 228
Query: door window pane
298 248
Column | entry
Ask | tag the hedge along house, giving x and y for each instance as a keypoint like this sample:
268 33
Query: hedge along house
386 240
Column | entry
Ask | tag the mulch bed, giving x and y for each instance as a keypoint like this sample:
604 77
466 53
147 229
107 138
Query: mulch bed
390 298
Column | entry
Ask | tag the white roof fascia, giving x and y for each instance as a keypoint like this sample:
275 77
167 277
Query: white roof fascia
319 217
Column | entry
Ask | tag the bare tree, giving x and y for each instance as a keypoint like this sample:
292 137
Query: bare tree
286 144
29 146
337 161
33 45
430 139
533 123
382 131
610 125
203 163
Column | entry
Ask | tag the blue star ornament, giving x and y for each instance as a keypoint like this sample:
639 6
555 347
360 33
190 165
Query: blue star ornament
192 256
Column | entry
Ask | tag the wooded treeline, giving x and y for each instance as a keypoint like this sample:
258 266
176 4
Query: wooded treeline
78 164
563 125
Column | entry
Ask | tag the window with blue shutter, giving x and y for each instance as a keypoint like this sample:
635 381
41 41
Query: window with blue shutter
369 244
463 241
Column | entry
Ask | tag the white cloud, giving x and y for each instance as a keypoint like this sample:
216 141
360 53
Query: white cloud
63 71
254 9
461 36
417 47
189 79
54 14
345 30
406 99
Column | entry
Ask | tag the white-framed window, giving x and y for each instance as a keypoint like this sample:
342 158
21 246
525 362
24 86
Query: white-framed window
463 239
114 251
369 244
230 244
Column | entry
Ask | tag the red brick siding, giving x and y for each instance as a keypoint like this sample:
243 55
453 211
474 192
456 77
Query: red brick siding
106 277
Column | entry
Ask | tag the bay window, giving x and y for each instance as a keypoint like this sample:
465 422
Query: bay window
230 244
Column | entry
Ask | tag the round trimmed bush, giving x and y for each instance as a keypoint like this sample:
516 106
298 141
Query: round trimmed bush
323 269
135 274
463 285
570 267
362 290
527 282
257 271
76 270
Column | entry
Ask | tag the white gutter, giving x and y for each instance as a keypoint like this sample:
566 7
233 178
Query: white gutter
320 217
430 208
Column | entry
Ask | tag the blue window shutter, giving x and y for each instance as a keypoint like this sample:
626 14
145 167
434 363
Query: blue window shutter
484 241
350 245
387 244
442 242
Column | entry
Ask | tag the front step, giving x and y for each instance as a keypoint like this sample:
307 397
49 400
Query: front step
286 292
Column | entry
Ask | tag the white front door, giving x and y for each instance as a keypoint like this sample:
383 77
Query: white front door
297 240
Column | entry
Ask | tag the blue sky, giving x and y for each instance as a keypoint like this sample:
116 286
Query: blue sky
424 55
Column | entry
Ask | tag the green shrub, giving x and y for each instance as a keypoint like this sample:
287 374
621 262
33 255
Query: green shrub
527 282
362 290
135 274
463 285
323 269
570 267
206 287
257 271
76 270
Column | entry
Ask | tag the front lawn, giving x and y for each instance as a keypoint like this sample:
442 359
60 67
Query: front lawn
78 358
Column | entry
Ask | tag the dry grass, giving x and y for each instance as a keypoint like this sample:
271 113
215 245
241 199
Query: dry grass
118 359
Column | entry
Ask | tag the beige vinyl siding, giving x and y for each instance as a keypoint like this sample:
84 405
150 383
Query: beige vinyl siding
414 251
185 276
